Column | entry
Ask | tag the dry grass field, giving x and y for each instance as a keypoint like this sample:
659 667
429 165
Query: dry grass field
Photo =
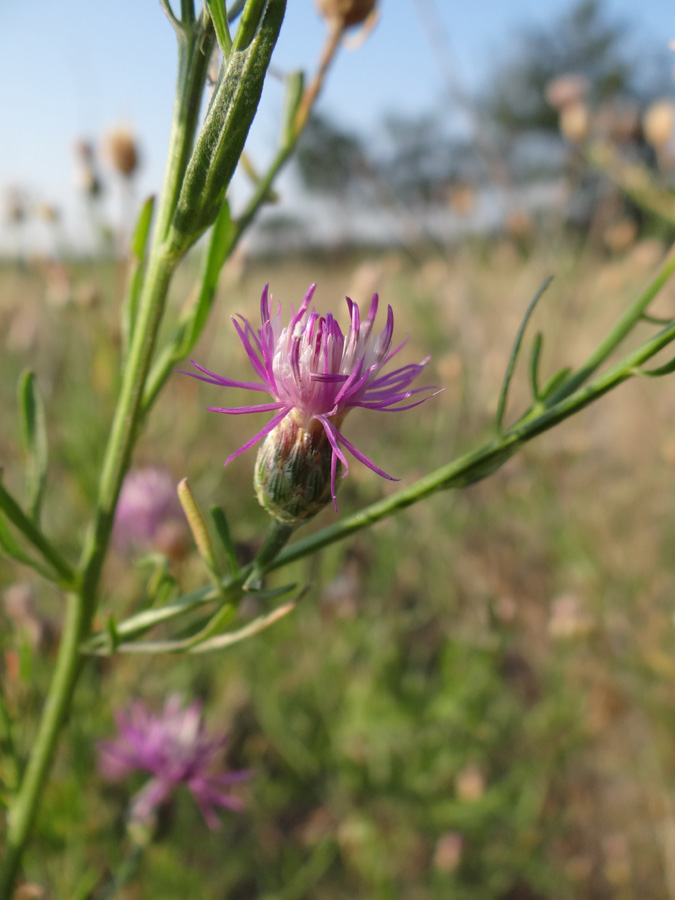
476 698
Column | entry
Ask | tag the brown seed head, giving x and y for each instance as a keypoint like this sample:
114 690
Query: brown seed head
566 90
658 122
621 235
575 121
46 212
121 150
15 206
88 181
346 12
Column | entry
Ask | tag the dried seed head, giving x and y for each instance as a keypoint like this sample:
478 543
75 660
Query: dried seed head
658 122
575 121
519 225
87 181
15 206
566 91
121 150
462 199
46 212
345 12
624 124
621 235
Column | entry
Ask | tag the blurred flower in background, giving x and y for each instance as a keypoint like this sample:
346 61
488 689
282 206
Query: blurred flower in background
149 515
175 748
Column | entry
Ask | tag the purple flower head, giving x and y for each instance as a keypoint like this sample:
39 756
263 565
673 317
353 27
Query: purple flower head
315 374
148 512
174 747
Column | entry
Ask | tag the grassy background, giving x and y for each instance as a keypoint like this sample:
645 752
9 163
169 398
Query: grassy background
475 699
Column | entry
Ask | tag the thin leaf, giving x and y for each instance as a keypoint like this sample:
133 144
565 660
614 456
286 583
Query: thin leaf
253 628
12 549
219 519
216 624
34 436
194 318
504 393
665 369
555 382
219 18
294 84
535 356
197 527
139 242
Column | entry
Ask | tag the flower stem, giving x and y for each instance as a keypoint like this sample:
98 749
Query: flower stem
24 809
623 327
477 465
193 61
276 538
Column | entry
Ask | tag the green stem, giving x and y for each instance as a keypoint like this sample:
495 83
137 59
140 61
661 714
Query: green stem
25 806
194 55
620 331
10 762
475 466
261 193
193 62
277 537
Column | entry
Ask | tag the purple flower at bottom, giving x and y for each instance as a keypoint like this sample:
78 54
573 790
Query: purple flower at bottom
315 374
174 747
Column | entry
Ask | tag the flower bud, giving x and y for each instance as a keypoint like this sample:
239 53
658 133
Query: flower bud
221 140
346 12
293 472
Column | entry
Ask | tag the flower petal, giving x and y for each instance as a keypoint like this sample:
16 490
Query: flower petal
271 425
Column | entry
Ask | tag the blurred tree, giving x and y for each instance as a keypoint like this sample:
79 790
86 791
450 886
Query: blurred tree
329 159
419 160
586 42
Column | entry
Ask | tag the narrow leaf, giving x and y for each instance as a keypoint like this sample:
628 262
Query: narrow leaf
215 625
31 531
504 394
253 628
197 525
219 18
294 87
139 243
555 382
11 548
535 356
665 369
34 435
219 519
194 318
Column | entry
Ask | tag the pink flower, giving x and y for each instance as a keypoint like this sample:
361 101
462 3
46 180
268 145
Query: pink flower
315 374
148 513
174 748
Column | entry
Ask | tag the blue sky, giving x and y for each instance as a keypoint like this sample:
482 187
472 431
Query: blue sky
72 68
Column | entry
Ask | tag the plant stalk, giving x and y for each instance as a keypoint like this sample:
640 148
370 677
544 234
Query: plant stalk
193 63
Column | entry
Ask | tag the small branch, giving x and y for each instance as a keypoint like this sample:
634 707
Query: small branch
34 535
